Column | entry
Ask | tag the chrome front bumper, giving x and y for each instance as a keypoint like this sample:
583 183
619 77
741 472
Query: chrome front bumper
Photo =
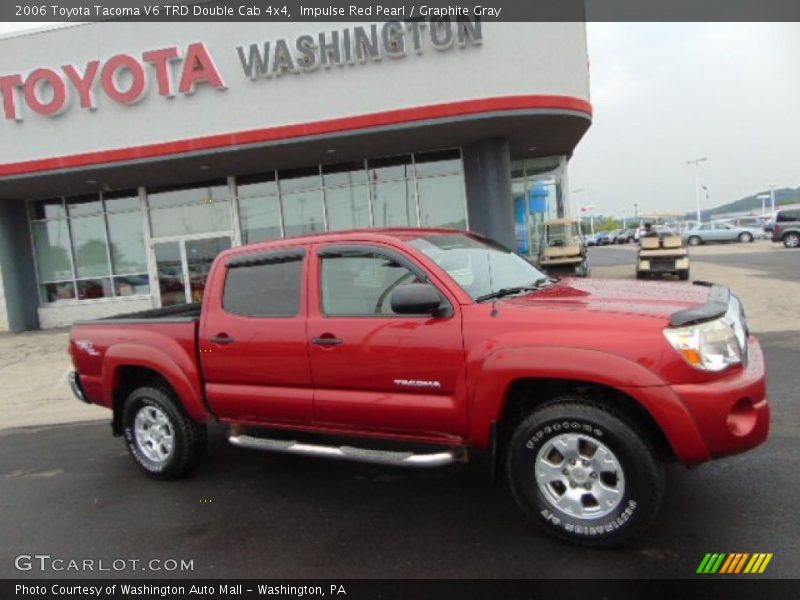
75 386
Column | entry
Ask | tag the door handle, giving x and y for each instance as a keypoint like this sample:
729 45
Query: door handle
327 340
222 339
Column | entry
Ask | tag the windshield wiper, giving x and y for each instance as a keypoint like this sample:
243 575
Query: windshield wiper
510 291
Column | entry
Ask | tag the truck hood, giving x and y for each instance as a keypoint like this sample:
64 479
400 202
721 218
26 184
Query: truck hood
652 299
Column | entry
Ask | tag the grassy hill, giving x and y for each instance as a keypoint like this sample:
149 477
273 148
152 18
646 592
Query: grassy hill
752 203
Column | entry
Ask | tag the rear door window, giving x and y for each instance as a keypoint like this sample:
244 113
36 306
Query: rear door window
264 285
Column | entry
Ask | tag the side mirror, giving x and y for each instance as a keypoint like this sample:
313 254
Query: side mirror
416 299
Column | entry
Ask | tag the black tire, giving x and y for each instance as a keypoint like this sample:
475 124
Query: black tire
641 275
694 240
683 275
745 238
791 240
189 438
641 486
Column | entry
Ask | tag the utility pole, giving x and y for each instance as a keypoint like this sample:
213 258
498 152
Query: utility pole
696 162
763 198
772 187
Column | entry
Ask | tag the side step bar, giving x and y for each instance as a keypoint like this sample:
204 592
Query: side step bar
383 457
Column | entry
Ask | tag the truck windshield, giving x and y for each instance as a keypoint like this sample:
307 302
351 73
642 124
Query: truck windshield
481 267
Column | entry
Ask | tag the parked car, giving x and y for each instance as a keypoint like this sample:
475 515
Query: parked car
591 239
426 347
787 228
748 222
717 232
607 237
625 236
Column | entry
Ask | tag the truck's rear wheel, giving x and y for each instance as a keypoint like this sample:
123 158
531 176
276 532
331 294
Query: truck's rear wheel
162 440
584 474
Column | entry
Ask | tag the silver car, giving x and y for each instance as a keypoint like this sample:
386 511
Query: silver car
717 232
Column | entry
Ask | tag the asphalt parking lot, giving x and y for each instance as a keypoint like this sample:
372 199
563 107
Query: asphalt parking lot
70 490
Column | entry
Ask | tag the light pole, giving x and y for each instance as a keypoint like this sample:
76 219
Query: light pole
696 162
763 198
584 209
772 187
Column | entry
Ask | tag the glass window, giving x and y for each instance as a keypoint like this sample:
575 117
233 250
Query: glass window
51 240
441 162
216 191
302 213
296 180
191 218
169 266
351 173
63 290
261 218
122 201
442 201
361 284
126 236
89 246
49 209
264 290
393 204
391 167
92 289
256 186
79 206
479 267
348 207
200 254
132 285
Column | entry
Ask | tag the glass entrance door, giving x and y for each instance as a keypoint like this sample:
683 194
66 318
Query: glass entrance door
182 267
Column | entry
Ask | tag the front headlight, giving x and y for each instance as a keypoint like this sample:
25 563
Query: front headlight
711 346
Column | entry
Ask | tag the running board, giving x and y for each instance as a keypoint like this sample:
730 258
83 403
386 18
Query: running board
383 457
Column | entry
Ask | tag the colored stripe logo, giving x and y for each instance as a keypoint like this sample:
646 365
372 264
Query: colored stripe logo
733 563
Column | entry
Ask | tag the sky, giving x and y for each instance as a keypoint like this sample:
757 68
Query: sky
665 93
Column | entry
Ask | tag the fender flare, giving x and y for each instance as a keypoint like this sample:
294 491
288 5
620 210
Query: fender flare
178 375
506 365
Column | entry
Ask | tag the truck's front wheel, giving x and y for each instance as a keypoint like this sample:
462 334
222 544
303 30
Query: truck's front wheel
584 474
162 440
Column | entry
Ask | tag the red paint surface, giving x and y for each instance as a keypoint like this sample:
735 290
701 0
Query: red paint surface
269 134
273 376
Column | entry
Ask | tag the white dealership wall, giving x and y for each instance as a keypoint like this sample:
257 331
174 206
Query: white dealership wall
514 59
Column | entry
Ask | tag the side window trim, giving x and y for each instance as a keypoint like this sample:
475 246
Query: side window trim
266 258
343 250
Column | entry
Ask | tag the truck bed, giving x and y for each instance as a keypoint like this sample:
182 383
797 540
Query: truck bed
182 313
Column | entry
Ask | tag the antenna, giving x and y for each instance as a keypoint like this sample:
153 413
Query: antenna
491 283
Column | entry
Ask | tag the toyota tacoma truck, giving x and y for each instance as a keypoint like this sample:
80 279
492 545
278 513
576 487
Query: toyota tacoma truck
426 347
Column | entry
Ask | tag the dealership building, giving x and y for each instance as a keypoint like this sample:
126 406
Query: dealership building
132 153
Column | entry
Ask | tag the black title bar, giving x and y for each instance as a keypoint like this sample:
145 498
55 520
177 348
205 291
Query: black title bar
717 587
384 10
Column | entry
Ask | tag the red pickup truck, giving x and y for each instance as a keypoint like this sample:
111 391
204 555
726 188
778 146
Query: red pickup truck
424 347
